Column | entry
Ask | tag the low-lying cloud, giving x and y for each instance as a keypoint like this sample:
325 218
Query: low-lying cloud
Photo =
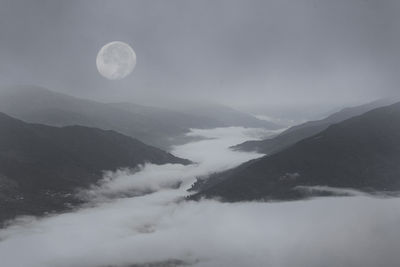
142 217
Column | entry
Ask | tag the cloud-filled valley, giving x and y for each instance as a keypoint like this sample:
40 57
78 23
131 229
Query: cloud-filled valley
213 133
141 217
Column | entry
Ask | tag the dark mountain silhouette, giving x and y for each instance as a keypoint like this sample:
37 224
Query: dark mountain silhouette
299 132
39 105
41 165
361 153
159 127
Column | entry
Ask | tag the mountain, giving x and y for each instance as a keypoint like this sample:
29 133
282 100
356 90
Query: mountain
159 127
361 153
173 125
299 132
40 165
177 119
227 116
39 105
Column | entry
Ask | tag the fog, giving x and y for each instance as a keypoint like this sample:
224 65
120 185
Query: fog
285 61
251 54
141 217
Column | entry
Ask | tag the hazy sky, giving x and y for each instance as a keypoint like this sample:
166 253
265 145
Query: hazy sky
239 52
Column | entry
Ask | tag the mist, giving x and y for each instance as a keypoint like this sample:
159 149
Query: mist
108 163
262 56
141 217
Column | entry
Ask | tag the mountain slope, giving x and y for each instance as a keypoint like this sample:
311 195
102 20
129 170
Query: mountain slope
299 132
176 119
39 105
362 153
41 164
159 127
228 116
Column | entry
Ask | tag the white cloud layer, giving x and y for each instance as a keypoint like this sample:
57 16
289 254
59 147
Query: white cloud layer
120 229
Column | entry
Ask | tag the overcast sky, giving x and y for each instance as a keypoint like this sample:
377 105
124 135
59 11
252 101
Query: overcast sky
238 52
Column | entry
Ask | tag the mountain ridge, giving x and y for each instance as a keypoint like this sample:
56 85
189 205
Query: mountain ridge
360 153
307 129
159 127
40 165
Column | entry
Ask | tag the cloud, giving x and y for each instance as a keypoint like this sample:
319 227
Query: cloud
118 229
210 155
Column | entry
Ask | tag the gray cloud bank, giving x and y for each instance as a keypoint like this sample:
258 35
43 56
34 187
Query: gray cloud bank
356 231
119 229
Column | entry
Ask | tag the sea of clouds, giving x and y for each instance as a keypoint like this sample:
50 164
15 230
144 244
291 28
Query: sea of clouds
142 217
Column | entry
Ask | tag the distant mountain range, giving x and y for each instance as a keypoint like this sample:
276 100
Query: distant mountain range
159 127
227 116
362 152
299 132
40 165
57 143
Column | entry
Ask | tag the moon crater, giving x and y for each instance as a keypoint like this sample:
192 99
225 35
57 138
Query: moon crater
116 60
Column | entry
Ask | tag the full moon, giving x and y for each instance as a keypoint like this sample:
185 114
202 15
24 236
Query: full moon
116 60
